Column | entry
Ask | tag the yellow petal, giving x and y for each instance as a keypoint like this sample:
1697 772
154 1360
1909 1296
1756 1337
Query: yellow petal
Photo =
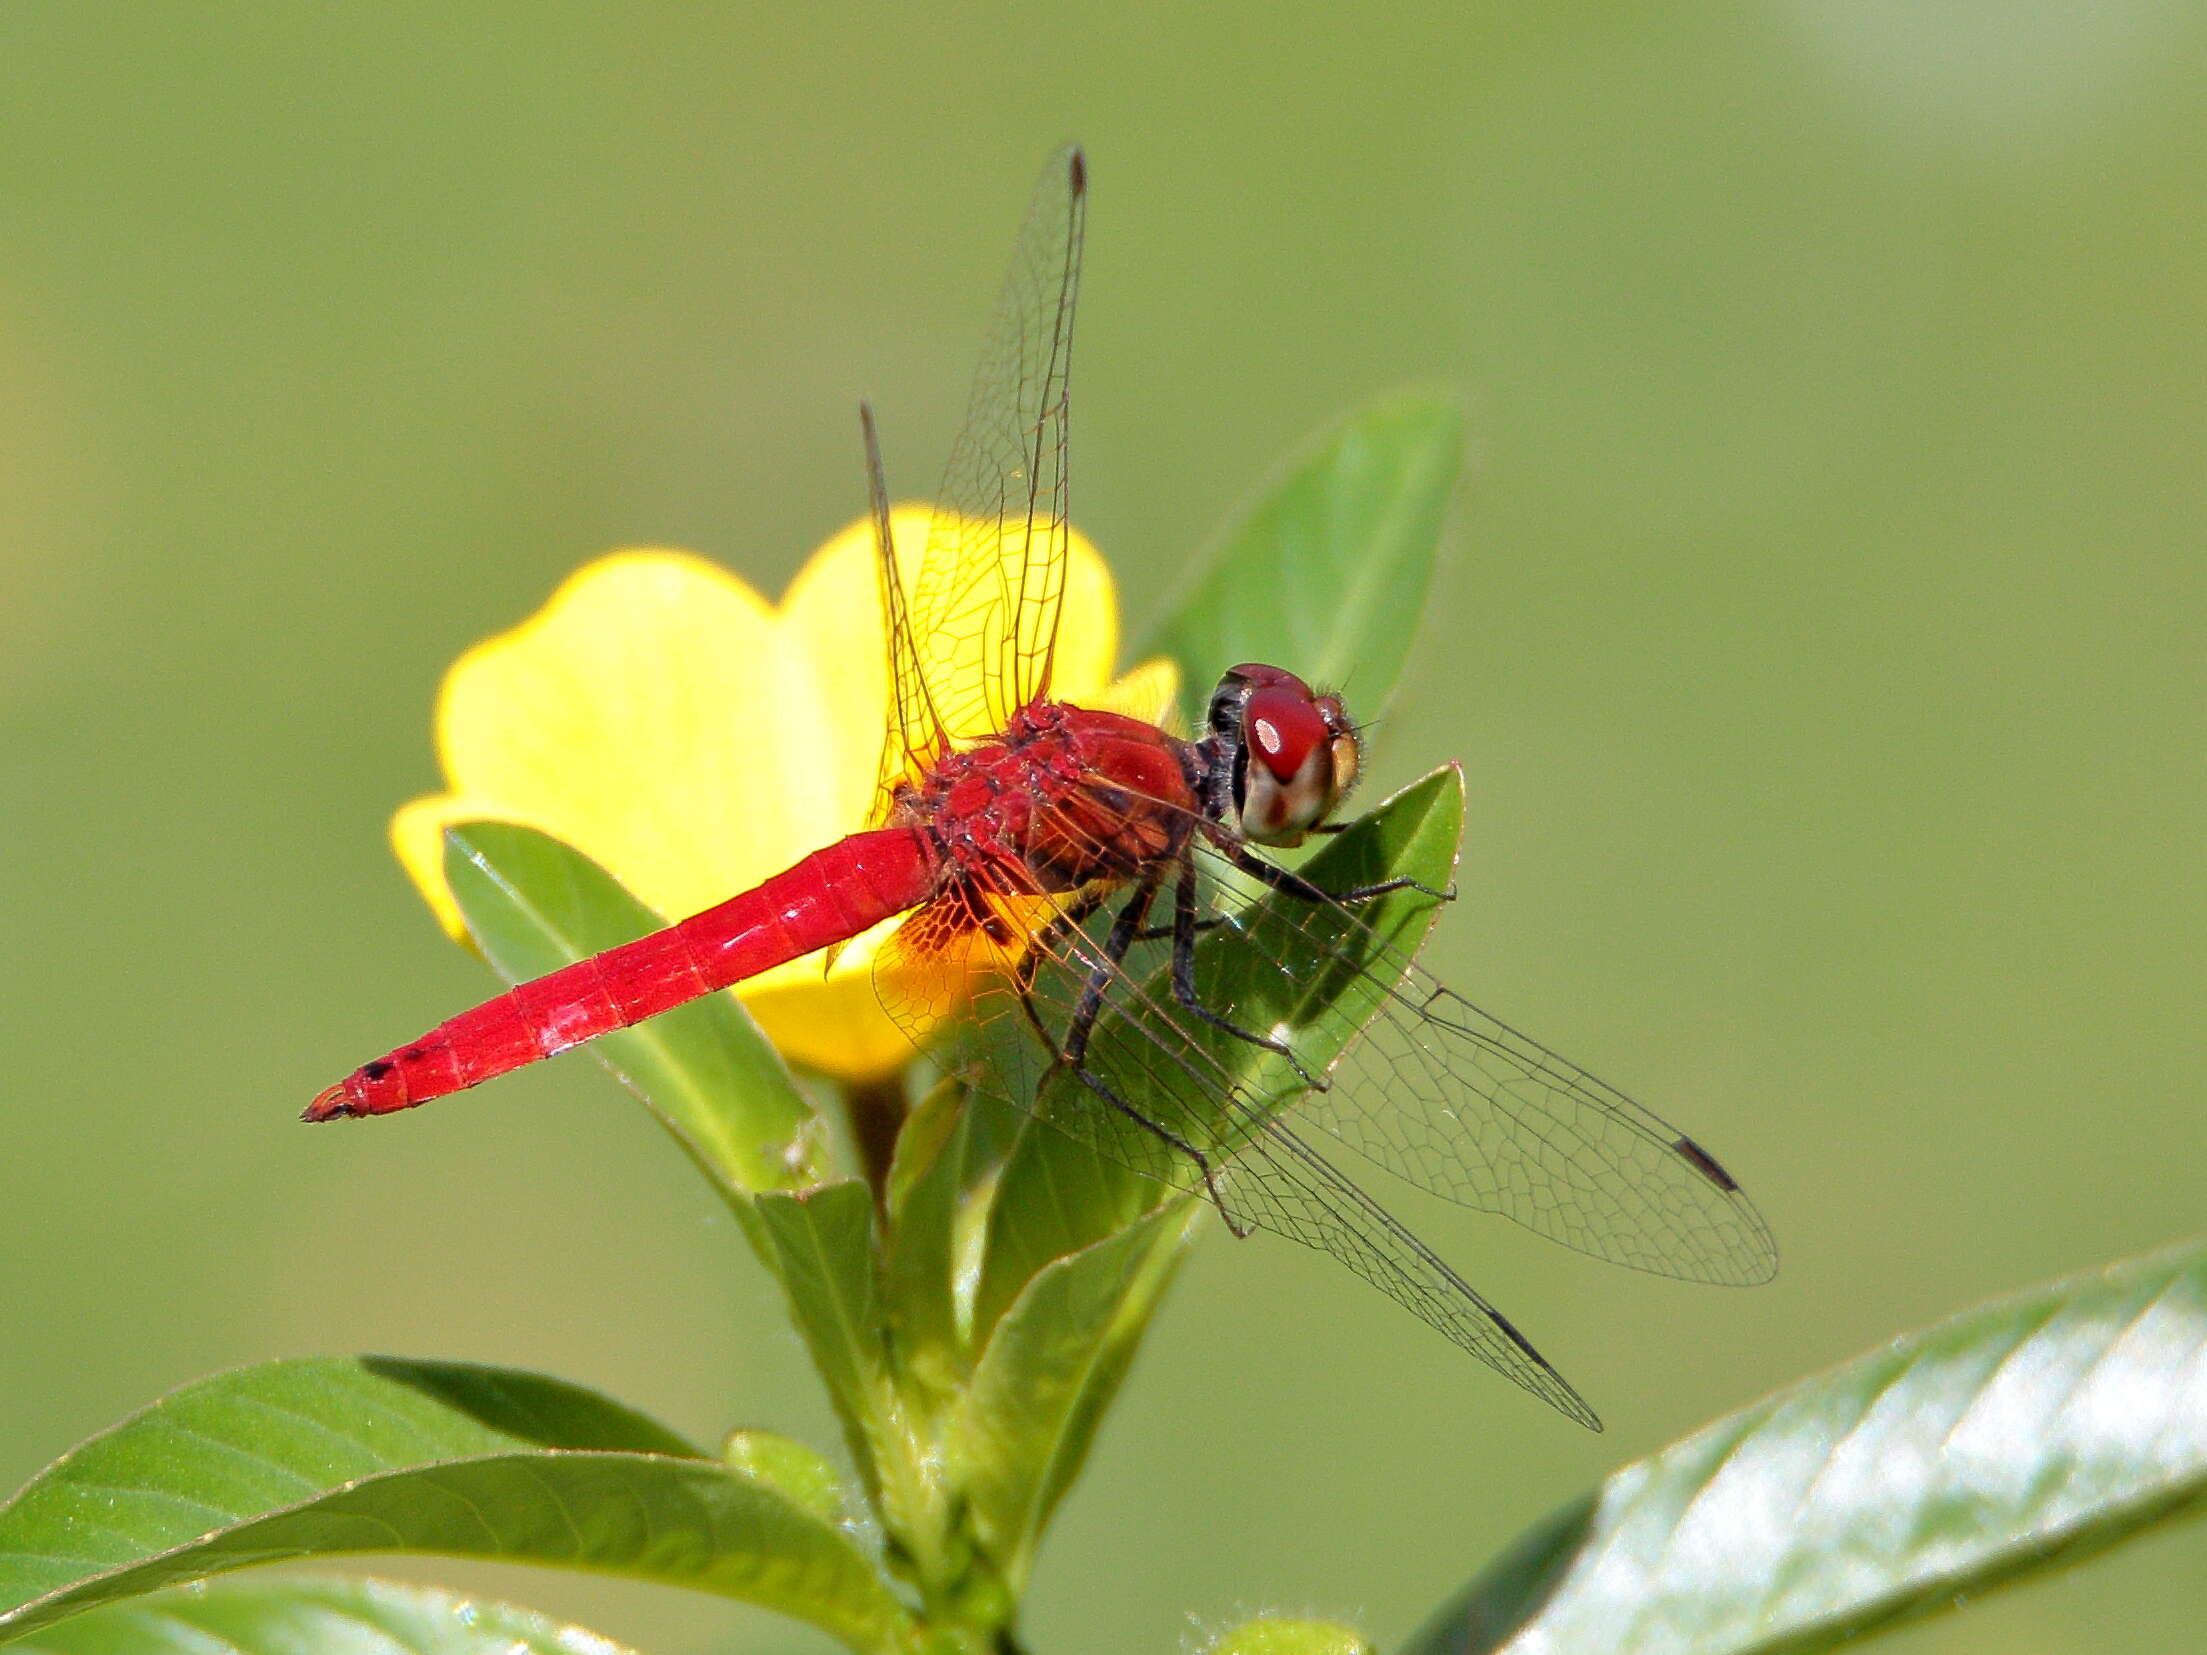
835 1023
654 716
833 614
1147 692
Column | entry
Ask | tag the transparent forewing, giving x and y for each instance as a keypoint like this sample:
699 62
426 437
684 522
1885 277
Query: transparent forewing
1455 1101
915 737
986 598
1169 1095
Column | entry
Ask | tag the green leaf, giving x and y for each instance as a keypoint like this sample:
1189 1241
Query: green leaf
947 1158
820 1242
783 1463
374 1617
1292 1637
1326 573
1058 1194
534 904
821 1245
928 1127
2015 1438
1024 1425
304 1459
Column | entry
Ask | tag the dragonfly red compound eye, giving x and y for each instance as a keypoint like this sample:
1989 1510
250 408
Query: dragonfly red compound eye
1256 675
1287 779
1284 728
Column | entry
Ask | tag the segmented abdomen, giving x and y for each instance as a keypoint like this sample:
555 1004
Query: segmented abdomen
829 897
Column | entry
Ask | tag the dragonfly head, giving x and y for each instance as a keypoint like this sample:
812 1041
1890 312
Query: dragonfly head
1288 753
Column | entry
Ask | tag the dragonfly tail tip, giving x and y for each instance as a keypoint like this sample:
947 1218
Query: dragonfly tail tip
328 1105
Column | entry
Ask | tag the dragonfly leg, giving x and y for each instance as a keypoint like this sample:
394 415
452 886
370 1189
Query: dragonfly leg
1294 884
1184 929
1067 921
1157 933
1073 1054
1172 1139
1116 943
1034 1018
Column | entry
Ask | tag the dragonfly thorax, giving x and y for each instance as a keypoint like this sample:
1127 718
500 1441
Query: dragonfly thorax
1065 797
1282 757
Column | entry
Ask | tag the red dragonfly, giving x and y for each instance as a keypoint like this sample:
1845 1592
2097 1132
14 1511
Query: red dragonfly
1044 851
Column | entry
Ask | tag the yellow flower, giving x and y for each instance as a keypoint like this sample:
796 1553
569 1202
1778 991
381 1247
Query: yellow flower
664 719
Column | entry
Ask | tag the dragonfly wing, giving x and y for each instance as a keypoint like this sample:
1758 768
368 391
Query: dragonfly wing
959 962
1299 1194
973 630
915 737
1457 1102
1261 1175
1170 1097
986 599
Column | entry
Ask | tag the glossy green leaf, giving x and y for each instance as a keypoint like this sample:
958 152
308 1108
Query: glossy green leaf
331 1616
1057 1194
1292 1637
534 904
926 1130
821 1245
794 1468
1023 1426
820 1242
2017 1437
947 1159
305 1459
1326 573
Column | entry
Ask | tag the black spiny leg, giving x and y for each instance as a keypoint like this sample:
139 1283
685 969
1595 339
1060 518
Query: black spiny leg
1185 926
1293 884
1063 925
1115 946
1158 933
1074 1054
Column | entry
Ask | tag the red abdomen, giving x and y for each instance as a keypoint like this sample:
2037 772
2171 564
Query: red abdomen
829 897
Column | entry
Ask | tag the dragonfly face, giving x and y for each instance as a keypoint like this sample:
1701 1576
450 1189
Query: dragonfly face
1283 756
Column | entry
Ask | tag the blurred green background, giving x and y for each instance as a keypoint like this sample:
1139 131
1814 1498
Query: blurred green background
1822 632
